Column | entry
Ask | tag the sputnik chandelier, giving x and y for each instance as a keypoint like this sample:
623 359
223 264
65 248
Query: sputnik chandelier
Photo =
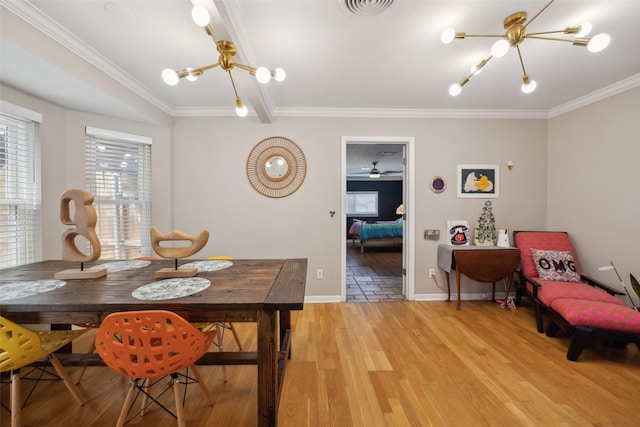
227 51
516 32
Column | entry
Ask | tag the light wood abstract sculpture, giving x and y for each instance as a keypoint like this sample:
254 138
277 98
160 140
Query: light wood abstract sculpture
84 219
174 252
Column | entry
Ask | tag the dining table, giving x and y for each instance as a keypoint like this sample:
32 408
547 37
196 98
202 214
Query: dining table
264 291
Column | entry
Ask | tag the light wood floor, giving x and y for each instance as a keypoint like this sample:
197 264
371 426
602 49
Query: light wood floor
393 364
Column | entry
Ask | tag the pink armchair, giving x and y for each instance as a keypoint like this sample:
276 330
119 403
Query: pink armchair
550 276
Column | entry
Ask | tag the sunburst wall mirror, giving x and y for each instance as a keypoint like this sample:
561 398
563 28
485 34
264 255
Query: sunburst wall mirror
276 167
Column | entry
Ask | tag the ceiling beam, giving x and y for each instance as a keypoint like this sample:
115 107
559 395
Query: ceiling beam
229 17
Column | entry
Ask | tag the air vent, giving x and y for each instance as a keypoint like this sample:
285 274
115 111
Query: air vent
367 7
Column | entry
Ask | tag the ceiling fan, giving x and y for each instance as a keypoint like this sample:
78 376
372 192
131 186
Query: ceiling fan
376 173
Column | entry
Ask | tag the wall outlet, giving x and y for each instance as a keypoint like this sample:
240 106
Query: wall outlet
319 273
432 272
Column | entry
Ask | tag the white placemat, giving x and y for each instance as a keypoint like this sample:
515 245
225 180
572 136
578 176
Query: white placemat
171 288
28 288
122 265
211 265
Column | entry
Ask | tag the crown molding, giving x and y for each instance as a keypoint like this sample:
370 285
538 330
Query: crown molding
35 17
399 113
598 95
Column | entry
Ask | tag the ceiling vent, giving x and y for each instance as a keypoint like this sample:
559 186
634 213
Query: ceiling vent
367 7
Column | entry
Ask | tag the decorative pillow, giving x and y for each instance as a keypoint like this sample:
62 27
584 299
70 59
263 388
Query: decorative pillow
555 265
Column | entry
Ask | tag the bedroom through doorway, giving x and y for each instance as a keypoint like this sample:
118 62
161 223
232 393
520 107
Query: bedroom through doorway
376 196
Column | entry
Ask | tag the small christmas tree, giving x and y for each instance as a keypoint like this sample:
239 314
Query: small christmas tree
486 229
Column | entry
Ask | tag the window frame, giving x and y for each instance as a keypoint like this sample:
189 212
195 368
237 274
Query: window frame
20 186
119 192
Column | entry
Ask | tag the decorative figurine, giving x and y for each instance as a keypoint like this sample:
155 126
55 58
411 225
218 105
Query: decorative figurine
197 243
84 219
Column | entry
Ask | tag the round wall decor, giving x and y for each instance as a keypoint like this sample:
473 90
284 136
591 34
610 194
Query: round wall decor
276 167
437 184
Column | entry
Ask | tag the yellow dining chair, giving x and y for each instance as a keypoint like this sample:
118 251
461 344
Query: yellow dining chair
225 325
20 346
147 346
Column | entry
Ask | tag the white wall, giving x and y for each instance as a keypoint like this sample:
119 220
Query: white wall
211 189
593 193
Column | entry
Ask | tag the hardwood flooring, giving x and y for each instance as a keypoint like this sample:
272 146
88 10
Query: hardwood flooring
390 364
375 275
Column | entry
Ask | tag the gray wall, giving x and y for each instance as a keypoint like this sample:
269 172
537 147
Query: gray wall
593 189
211 188
572 172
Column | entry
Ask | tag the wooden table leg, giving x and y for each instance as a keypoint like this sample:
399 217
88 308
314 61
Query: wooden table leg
285 324
506 292
458 286
267 369
448 287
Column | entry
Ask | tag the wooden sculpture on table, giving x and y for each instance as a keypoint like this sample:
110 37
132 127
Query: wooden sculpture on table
197 243
84 219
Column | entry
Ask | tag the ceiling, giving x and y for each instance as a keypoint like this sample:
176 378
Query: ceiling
338 64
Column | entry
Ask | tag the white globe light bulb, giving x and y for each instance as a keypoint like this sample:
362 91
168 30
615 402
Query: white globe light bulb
455 89
242 110
170 77
598 43
500 48
448 35
200 16
529 87
585 28
263 75
476 68
191 77
280 75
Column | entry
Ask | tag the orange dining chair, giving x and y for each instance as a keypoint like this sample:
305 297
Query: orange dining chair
20 346
147 346
92 348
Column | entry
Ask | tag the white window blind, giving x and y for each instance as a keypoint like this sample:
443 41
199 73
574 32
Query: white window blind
362 203
20 191
118 174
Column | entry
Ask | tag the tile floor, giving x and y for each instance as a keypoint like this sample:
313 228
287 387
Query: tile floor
363 285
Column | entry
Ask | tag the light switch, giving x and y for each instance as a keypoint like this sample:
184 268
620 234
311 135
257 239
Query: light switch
431 234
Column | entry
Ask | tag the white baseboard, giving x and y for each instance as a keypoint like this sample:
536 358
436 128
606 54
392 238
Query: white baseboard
419 297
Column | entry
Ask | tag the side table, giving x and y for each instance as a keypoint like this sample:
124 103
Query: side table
479 263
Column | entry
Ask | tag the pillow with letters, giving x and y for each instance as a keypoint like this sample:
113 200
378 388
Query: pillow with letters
555 265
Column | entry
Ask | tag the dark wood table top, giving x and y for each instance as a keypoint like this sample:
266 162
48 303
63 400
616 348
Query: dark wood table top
236 293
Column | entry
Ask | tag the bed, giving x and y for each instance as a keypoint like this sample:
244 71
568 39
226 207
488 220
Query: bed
387 232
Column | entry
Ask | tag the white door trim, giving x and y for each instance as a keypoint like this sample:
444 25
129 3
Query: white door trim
409 206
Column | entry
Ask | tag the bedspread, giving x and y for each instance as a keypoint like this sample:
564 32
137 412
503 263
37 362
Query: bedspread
377 231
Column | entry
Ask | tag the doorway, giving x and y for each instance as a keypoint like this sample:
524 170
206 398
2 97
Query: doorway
392 157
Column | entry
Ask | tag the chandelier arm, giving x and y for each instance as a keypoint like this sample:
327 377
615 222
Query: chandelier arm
233 83
251 70
538 14
529 36
482 35
482 63
548 32
524 72
196 71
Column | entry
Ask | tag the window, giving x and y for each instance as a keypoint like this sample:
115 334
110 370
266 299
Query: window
20 200
118 174
362 203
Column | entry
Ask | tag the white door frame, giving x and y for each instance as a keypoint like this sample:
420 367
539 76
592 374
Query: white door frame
409 209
